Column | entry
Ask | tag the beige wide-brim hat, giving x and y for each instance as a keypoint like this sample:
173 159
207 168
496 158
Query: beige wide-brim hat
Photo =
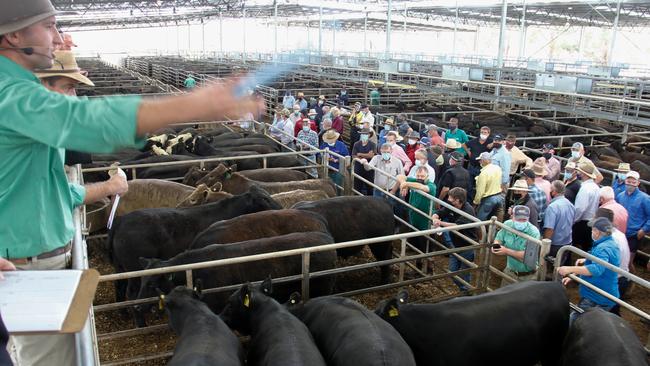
17 15
520 185
65 65
453 144
389 121
623 167
587 169
539 169
331 136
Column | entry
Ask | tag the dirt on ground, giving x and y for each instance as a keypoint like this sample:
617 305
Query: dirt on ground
163 341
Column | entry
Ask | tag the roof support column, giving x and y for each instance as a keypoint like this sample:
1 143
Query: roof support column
581 42
502 44
522 33
453 45
203 38
612 42
388 30
220 34
275 29
405 34
189 38
320 31
365 32
244 35
334 37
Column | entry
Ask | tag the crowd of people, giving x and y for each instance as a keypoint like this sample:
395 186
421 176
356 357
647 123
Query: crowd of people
484 176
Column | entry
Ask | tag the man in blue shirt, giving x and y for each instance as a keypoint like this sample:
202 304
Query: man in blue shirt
332 142
618 183
558 221
606 249
637 205
501 157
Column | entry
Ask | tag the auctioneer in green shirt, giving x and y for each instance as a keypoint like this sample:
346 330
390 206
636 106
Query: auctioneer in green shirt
36 125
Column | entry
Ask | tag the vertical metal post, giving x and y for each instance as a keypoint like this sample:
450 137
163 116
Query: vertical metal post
581 42
189 279
625 131
612 43
334 37
326 156
203 39
178 40
388 31
275 28
484 278
320 31
453 46
305 276
476 35
345 169
402 254
502 44
365 33
405 33
522 33
220 34
189 38
244 35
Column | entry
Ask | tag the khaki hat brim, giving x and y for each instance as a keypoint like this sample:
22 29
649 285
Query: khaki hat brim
25 22
72 75
592 176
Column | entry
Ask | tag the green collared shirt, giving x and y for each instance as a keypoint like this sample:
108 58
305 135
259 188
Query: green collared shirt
517 243
36 125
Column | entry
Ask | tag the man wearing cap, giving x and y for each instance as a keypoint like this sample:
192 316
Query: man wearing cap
501 157
310 122
558 221
319 108
281 116
536 193
296 115
578 156
553 165
455 176
332 142
363 149
403 126
343 98
624 248
586 206
518 158
514 246
608 201
413 186
451 145
412 139
421 160
618 183
457 134
37 200
397 151
301 101
355 115
488 198
434 137
337 120
571 182
389 125
522 198
539 168
605 249
476 146
388 164
637 204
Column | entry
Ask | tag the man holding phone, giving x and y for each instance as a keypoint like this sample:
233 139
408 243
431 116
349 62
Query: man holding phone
514 246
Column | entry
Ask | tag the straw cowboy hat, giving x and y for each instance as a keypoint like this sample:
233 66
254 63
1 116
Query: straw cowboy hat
66 66
539 168
520 185
331 136
587 169
453 144
623 167
570 165
398 137
17 15
389 121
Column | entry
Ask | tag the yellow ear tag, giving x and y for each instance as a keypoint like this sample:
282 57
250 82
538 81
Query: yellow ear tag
247 301
161 302
393 312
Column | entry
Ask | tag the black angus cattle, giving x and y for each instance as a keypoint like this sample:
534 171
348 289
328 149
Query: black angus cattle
349 334
165 232
200 146
517 325
355 218
600 338
203 338
277 337
249 271
195 174
257 225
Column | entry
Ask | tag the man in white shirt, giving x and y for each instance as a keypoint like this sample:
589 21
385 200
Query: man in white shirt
586 206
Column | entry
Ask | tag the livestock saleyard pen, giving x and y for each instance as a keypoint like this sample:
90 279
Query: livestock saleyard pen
404 260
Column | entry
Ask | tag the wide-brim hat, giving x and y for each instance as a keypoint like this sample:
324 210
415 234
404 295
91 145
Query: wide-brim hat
365 131
623 167
413 135
539 169
312 112
587 169
520 185
65 65
453 144
389 121
17 15
331 136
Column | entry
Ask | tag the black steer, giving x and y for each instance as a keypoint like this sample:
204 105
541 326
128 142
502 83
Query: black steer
249 271
349 334
203 338
277 337
599 338
517 325
355 218
165 232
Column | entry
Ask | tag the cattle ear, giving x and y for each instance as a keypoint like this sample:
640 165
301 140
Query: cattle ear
217 187
233 167
198 289
267 286
205 194
391 308
402 296
245 295
295 298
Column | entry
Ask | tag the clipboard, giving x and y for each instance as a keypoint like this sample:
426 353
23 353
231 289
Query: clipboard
47 302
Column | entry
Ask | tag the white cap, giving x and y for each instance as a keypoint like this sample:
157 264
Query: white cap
632 174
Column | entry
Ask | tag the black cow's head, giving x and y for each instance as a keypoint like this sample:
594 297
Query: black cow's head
389 309
180 302
242 303
152 286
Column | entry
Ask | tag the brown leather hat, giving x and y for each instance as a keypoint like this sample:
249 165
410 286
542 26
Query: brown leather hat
17 15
